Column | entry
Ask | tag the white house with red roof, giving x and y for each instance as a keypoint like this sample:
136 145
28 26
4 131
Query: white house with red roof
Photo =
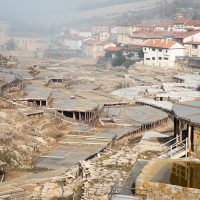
191 41
187 37
162 53
73 41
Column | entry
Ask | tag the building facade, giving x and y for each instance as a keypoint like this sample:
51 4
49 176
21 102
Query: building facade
162 53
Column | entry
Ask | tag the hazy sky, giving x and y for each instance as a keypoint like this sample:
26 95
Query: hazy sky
36 13
22 8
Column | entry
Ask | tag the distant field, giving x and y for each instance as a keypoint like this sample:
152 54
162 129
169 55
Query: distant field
106 3
117 6
114 9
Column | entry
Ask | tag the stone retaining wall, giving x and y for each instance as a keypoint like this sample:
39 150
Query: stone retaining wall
160 191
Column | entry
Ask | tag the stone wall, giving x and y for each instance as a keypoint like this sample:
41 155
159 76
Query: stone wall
158 191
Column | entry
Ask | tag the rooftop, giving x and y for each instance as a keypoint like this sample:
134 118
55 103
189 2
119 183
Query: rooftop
181 21
135 116
113 49
164 24
146 35
189 111
73 37
160 44
185 34
74 105
90 42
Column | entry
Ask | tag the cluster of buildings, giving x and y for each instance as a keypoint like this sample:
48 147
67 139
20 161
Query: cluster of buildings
21 41
162 42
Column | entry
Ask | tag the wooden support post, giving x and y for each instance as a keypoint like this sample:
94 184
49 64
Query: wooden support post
189 137
180 131
175 130
186 147
192 138
74 116
79 114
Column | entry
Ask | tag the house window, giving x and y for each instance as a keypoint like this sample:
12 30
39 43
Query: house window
160 58
153 58
148 59
145 48
166 58
160 50
194 46
166 51
153 49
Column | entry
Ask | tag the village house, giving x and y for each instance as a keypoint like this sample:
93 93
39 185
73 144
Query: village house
162 53
95 49
192 25
113 30
89 48
164 26
97 29
101 46
25 41
191 41
192 48
114 50
180 25
140 38
146 26
187 37
81 32
123 39
4 31
72 42
123 29
103 36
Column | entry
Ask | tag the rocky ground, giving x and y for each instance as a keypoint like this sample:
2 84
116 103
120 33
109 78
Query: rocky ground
23 138
94 178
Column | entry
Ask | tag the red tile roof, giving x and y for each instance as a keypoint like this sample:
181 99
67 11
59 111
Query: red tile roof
164 24
113 49
74 37
147 25
103 43
146 35
181 21
90 42
135 47
165 33
185 34
193 23
160 44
